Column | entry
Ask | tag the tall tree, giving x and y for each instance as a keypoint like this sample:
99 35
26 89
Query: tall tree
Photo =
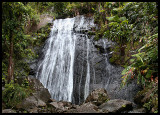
14 15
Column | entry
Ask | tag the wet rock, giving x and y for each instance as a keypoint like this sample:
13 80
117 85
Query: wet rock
32 69
51 100
27 103
116 106
43 94
97 96
39 90
138 110
43 110
8 111
30 103
60 106
34 110
41 103
85 108
100 44
35 84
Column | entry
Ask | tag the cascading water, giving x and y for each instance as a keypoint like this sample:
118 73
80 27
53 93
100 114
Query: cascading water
72 64
108 65
87 83
56 69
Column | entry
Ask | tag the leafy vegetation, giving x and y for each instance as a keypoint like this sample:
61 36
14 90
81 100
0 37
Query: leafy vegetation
132 25
15 93
17 48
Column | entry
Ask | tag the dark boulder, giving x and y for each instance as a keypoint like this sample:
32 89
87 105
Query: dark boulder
60 106
30 103
116 106
97 96
138 110
43 94
85 108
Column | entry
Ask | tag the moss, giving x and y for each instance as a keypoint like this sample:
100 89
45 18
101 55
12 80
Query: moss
107 100
115 59
91 33
102 98
123 106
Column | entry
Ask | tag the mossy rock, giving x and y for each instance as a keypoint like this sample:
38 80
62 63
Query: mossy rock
97 97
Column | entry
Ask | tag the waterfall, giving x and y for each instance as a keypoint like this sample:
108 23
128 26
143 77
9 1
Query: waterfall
108 66
73 64
87 83
56 69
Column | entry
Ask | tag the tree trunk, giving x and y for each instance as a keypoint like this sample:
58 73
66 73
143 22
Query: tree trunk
10 67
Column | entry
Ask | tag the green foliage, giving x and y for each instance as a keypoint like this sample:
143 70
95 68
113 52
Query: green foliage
15 16
149 97
145 67
134 26
146 62
14 93
4 72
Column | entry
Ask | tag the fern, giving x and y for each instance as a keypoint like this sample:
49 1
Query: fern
14 94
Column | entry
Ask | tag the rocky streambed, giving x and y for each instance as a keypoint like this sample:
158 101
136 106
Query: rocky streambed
98 101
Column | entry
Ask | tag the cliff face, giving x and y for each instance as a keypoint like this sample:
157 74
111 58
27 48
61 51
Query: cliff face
91 66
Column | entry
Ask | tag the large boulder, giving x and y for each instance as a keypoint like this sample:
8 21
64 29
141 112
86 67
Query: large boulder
138 110
38 98
97 96
35 83
116 106
85 108
39 90
30 103
60 106
43 94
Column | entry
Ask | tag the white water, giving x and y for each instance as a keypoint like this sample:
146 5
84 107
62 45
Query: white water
69 55
56 69
108 66
87 83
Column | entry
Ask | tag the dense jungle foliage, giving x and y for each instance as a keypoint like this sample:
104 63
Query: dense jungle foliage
132 25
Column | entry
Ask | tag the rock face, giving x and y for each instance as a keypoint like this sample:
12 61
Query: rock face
40 92
43 94
116 105
39 98
96 65
97 96
102 73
